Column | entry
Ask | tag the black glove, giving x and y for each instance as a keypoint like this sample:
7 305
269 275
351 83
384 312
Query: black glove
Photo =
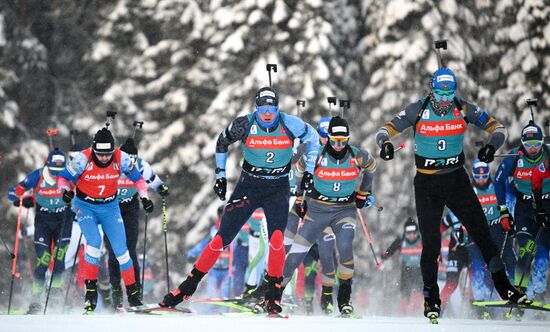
28 202
486 153
386 151
163 190
360 200
220 188
506 220
300 207
542 220
147 204
307 181
68 196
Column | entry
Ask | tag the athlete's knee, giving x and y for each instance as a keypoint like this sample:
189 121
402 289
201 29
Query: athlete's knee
276 241
92 254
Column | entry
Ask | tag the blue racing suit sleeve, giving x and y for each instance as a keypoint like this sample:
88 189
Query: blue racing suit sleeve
74 168
128 167
30 181
307 135
504 171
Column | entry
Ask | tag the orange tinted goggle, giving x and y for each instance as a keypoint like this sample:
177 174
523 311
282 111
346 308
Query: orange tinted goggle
341 140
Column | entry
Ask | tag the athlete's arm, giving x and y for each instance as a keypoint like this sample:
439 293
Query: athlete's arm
484 121
504 171
30 182
396 245
366 162
236 131
307 135
153 181
128 167
405 119
72 171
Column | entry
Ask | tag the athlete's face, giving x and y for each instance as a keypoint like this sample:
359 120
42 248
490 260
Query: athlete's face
338 143
481 180
411 236
103 158
532 147
323 140
268 115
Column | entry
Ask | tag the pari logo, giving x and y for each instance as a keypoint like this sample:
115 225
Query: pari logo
442 162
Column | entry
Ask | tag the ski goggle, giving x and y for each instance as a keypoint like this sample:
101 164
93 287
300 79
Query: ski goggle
103 154
338 141
481 176
532 144
443 95
267 109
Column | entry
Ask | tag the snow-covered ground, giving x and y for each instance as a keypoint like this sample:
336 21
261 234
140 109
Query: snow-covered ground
207 323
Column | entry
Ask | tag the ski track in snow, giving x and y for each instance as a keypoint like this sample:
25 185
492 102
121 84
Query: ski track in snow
136 323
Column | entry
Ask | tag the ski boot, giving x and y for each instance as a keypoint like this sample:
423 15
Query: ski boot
326 300
90 300
116 298
247 293
432 303
134 295
344 298
35 308
481 313
184 290
273 296
258 293
105 295
502 284
308 306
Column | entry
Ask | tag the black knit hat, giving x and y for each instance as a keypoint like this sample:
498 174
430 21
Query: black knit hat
103 142
338 127
410 225
129 147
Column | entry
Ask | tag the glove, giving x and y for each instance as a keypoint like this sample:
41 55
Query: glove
506 220
386 151
307 181
28 202
486 153
68 196
300 207
220 188
147 204
542 220
385 255
367 200
163 190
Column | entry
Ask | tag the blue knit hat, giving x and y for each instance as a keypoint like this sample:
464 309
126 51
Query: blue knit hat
444 79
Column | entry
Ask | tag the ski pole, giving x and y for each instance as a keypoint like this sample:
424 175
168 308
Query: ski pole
528 265
72 272
165 230
26 245
56 254
15 251
401 146
367 234
144 254
12 256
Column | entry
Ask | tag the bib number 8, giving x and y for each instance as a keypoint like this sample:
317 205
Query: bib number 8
441 145
336 186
